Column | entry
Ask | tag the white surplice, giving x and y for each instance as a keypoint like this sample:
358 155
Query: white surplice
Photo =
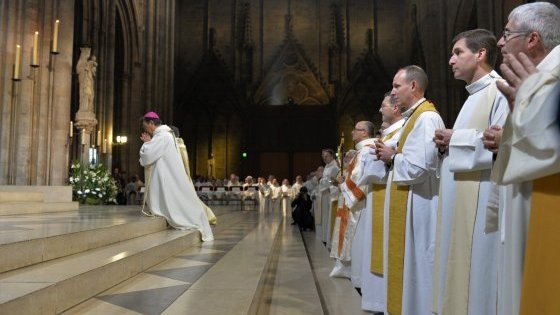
325 195
416 167
375 172
467 154
532 128
354 197
168 195
287 198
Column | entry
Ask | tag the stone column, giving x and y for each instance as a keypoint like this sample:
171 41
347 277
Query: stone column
85 122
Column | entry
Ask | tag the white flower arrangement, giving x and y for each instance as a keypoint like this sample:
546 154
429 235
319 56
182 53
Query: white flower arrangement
92 184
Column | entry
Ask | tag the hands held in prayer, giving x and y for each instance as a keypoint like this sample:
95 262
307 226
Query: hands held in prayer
491 138
442 138
384 153
515 71
145 137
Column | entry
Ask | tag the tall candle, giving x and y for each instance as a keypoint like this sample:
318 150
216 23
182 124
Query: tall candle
105 146
55 37
98 138
71 129
35 59
83 136
17 64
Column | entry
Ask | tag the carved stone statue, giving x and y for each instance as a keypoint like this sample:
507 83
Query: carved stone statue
86 68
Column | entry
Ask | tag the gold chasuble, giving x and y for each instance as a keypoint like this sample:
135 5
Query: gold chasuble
540 293
397 222
378 203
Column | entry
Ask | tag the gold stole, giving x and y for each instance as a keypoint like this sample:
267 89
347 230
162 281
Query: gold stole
378 203
467 186
397 223
541 280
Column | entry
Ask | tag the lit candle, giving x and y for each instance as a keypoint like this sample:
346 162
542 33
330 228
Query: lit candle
83 136
105 146
71 129
55 37
17 63
35 59
98 138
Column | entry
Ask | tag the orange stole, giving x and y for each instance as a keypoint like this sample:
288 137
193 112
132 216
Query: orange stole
397 223
541 279
343 214
378 217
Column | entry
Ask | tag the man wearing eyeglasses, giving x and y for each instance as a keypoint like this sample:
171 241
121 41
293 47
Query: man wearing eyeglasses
463 281
528 162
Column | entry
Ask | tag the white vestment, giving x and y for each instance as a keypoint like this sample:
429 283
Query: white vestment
168 195
287 198
323 201
529 150
264 196
375 172
354 197
467 154
416 167
275 198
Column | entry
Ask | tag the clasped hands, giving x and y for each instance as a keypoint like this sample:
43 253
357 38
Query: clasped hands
145 137
383 152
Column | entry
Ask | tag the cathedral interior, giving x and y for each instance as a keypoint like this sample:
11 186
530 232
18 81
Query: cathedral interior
259 86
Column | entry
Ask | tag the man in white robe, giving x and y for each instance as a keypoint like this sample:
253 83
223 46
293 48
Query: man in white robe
297 185
413 196
354 195
528 160
172 200
264 194
375 178
325 194
466 268
287 197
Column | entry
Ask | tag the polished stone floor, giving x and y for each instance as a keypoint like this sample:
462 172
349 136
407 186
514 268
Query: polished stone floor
257 264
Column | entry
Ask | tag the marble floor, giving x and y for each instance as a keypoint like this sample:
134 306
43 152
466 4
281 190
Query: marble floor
257 264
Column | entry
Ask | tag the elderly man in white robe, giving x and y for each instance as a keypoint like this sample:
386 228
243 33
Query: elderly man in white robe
466 256
529 162
326 193
413 196
375 177
167 193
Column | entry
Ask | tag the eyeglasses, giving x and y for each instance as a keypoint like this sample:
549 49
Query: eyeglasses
506 35
359 129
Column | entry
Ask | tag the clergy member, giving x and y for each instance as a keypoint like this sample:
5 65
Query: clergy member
413 196
465 273
528 159
375 177
325 194
167 192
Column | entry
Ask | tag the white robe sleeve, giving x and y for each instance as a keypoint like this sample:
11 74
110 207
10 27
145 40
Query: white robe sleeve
420 156
466 150
375 171
152 150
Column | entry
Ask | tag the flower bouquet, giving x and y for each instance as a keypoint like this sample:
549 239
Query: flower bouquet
92 184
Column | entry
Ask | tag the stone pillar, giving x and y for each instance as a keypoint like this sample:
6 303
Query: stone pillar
85 122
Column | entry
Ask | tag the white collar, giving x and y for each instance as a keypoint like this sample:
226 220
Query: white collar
483 82
362 143
393 127
409 111
550 61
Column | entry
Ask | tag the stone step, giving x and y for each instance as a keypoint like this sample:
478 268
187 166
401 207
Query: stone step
21 196
57 285
11 208
44 237
51 193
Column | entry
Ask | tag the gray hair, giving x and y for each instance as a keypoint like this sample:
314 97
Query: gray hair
370 127
415 73
540 17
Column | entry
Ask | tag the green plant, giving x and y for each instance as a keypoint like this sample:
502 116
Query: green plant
92 184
